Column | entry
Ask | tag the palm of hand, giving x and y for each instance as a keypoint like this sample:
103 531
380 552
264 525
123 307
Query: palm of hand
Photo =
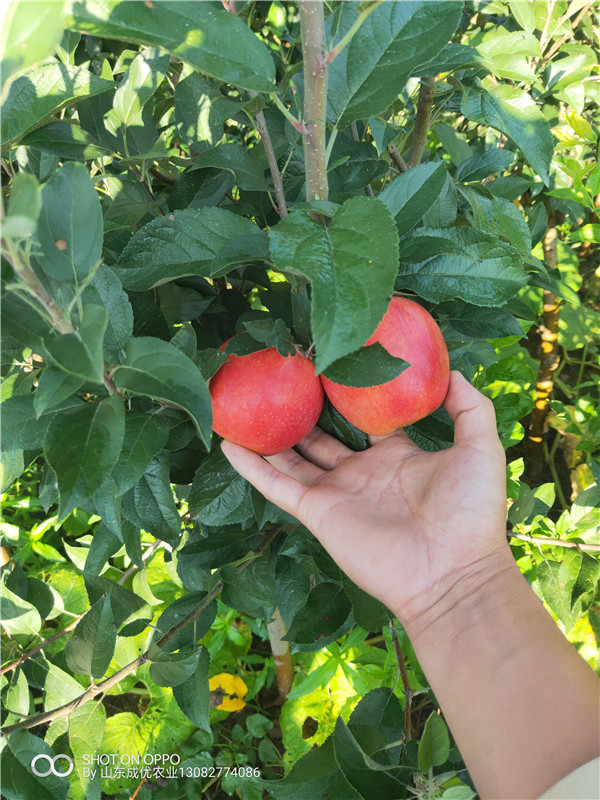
414 517
406 525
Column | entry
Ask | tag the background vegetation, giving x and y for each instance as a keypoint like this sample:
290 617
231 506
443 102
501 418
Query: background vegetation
157 161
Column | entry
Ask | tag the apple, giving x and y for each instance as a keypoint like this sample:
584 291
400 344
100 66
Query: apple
408 331
265 401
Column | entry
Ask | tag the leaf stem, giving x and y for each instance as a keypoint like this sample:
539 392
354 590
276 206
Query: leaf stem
287 113
349 35
312 26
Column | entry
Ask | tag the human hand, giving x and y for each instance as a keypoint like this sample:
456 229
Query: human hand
406 525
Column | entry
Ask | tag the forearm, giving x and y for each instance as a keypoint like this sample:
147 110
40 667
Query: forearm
521 703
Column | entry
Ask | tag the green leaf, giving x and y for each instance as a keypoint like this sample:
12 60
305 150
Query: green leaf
182 243
22 429
508 54
65 139
369 613
434 746
251 591
145 436
500 217
24 206
461 262
170 669
79 354
377 722
191 634
18 779
514 113
41 92
141 81
30 33
410 195
587 578
201 110
82 446
369 777
351 265
557 580
327 606
70 231
209 361
479 323
219 547
193 695
275 334
369 366
219 495
54 386
484 164
523 13
180 304
11 468
332 422
18 616
199 33
159 370
154 503
16 698
316 773
236 159
390 45
106 290
92 644
244 250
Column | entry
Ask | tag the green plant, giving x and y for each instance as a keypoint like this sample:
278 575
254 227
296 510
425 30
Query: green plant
177 173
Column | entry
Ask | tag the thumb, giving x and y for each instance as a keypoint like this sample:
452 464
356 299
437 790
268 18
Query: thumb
472 413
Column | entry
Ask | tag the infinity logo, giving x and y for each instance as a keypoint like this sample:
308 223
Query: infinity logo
52 768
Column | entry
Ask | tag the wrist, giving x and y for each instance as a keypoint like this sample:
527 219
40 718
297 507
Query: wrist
466 598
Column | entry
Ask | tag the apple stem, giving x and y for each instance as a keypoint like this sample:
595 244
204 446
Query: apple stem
312 26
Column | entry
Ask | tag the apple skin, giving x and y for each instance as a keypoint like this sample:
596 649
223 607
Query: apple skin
407 331
265 401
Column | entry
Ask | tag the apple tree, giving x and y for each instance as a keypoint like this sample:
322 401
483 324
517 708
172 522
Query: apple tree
175 173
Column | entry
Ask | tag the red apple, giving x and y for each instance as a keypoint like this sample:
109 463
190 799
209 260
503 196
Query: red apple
408 331
265 401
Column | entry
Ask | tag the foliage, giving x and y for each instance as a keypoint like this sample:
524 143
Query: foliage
142 227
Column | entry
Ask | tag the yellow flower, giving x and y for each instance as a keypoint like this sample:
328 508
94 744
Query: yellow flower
227 692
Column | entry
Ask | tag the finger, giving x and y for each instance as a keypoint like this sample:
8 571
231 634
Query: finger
323 450
472 413
292 464
281 489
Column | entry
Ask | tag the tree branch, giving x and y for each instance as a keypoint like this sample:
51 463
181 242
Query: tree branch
282 655
34 651
315 98
424 106
397 158
559 42
548 540
265 136
108 683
